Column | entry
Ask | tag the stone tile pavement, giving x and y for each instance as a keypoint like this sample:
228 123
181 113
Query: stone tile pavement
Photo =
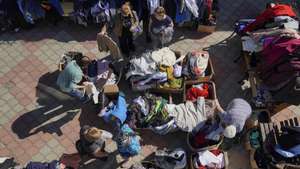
40 124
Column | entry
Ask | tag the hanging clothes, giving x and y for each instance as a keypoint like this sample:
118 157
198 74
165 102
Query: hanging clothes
183 15
192 6
153 4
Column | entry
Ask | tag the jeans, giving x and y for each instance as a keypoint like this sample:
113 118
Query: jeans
77 93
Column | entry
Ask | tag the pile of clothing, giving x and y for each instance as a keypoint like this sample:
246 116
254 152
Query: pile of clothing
209 159
199 90
156 69
288 148
206 135
196 64
101 73
147 111
189 115
274 36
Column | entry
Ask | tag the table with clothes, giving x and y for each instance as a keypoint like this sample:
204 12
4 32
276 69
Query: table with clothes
271 42
99 73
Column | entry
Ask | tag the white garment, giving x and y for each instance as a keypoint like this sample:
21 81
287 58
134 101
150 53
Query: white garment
177 70
249 45
215 135
91 90
160 76
106 135
3 159
193 7
188 116
208 159
164 56
140 101
153 4
142 66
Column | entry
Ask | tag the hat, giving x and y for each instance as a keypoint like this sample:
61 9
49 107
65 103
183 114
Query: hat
229 131
92 134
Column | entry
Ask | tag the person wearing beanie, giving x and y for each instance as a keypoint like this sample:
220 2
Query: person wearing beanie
92 142
234 118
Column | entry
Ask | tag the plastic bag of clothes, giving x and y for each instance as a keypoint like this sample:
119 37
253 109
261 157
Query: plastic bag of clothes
196 64
128 142
165 128
171 159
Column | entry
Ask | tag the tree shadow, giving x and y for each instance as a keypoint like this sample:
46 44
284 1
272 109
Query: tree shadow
54 110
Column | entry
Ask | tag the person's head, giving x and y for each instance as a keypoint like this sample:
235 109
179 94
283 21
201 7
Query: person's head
83 62
126 8
92 134
160 13
229 131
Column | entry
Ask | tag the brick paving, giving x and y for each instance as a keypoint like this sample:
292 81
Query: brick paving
40 124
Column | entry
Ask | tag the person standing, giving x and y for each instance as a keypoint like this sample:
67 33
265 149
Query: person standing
161 28
126 23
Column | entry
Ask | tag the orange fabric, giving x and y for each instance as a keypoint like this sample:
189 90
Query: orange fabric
194 92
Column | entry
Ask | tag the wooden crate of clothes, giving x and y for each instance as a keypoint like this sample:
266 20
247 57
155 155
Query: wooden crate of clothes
225 158
209 72
193 149
270 133
156 86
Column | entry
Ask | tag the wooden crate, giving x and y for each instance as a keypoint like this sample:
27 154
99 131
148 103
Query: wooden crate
206 28
212 89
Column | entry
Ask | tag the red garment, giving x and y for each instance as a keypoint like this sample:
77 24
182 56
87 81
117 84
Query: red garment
199 139
275 48
194 92
270 13
71 160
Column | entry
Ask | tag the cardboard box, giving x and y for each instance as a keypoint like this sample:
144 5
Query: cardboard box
111 89
206 28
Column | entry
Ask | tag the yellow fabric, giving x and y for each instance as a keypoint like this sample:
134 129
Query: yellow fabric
172 81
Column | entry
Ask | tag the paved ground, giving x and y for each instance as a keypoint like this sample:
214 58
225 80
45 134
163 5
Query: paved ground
38 123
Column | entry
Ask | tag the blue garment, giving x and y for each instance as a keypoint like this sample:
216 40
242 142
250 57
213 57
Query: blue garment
128 143
185 16
292 152
78 94
31 10
119 110
38 165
